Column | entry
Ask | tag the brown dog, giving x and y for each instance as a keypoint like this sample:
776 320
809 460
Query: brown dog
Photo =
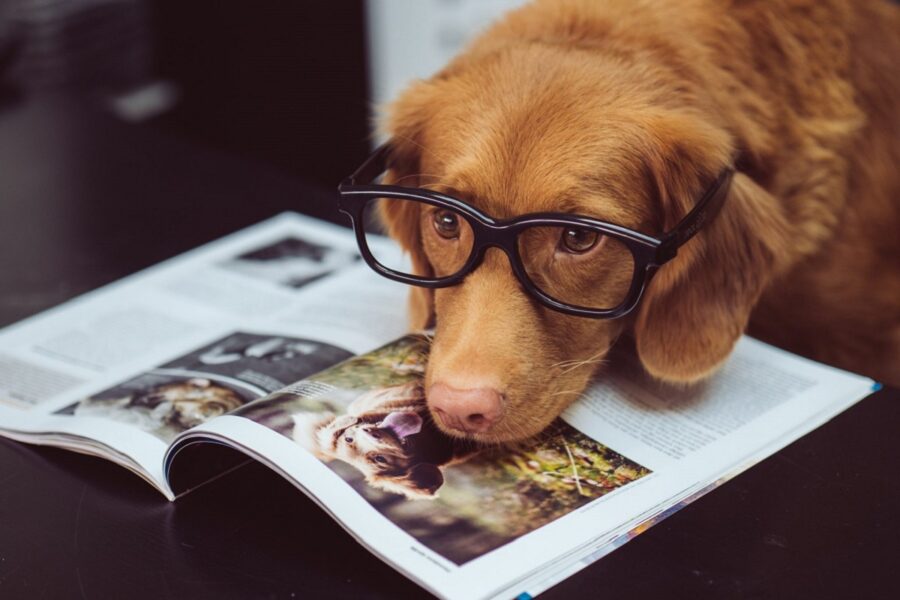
625 110
387 436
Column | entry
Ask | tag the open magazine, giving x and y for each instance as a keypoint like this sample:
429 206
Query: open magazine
278 344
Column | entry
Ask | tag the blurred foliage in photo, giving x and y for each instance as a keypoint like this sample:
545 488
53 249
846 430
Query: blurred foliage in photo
500 495
488 499
393 364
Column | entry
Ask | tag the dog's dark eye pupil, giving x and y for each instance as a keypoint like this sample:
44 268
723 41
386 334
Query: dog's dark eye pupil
380 458
579 240
446 223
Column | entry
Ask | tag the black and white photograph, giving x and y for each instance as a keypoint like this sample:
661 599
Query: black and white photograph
290 262
209 382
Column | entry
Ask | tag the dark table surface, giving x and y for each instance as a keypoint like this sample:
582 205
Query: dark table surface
85 200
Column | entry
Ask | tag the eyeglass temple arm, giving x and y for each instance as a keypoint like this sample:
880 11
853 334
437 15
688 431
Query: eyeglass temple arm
703 212
373 166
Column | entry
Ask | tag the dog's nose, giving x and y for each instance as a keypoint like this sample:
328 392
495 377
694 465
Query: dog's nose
469 410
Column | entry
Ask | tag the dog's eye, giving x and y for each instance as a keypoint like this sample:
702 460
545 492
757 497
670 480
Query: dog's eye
446 223
578 241
379 459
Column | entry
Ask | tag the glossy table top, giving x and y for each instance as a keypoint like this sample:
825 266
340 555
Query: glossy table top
85 200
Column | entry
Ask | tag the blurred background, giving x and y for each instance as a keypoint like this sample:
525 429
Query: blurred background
291 83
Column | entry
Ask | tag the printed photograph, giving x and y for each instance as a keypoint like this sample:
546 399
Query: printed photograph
368 421
211 381
290 262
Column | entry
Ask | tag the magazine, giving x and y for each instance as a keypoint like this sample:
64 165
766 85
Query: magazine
277 344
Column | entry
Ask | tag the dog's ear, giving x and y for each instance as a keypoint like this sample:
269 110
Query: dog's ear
425 478
698 305
404 124
420 482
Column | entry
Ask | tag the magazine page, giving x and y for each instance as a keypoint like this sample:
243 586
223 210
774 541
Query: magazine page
698 438
121 371
470 522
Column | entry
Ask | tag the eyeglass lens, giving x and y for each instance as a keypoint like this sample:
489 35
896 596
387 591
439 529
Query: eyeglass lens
446 236
577 266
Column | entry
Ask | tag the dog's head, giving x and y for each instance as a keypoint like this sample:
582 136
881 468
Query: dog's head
389 451
534 127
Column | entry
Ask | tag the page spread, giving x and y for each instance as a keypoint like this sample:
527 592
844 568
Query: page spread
279 343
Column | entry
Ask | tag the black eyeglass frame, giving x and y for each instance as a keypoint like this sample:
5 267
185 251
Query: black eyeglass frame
649 253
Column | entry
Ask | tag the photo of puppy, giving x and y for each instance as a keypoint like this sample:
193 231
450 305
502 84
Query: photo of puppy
366 420
625 111
388 436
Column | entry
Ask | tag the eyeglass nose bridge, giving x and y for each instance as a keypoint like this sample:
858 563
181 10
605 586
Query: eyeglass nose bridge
502 237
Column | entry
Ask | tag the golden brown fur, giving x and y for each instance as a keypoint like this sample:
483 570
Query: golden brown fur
625 110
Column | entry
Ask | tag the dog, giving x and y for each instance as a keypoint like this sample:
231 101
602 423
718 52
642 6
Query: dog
387 436
626 110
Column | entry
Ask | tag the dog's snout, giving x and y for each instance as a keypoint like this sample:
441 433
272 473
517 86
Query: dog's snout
472 410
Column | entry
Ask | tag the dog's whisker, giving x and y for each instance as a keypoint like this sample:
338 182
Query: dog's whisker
563 392
572 364
435 186
565 362
412 175
411 141
582 364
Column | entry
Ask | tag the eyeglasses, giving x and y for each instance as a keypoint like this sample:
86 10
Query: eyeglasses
573 264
